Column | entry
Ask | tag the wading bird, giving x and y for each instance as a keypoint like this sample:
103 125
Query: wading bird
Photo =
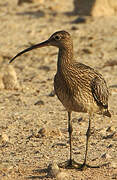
79 87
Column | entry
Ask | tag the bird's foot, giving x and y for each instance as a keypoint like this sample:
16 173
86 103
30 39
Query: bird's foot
85 166
69 164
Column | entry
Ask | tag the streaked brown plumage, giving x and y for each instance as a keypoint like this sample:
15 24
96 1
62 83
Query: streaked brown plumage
79 87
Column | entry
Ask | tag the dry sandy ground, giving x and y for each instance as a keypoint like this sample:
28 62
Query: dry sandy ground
25 151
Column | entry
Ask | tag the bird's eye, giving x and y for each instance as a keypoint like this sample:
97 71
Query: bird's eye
57 37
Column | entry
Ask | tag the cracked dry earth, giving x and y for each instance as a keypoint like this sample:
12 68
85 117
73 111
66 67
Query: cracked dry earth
33 123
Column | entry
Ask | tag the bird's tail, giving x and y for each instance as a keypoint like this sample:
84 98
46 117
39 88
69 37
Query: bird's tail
107 113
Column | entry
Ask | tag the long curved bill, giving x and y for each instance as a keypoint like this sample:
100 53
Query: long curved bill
43 44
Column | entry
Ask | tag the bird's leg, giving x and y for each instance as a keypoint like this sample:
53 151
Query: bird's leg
70 136
88 133
70 163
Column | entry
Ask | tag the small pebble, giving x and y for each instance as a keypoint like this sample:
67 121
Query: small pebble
58 173
111 129
42 132
39 103
52 93
105 156
4 138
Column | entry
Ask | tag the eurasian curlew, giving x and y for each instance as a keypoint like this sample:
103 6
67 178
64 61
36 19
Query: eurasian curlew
79 87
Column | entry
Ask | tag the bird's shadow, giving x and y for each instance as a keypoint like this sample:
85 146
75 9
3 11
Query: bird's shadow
36 14
43 173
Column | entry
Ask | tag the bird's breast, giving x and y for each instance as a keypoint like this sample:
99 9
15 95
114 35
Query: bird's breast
73 96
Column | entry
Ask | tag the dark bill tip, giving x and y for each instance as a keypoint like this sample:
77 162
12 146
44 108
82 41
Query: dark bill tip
43 44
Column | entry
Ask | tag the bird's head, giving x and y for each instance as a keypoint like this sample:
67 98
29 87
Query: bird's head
60 39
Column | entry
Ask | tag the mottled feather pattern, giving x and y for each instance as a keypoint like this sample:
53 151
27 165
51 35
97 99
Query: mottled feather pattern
100 91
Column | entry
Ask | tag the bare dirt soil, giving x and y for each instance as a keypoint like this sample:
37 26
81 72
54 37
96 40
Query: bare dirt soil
33 123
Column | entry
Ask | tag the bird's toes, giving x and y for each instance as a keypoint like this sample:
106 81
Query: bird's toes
84 166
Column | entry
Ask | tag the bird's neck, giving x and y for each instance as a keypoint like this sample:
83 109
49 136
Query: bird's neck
65 58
